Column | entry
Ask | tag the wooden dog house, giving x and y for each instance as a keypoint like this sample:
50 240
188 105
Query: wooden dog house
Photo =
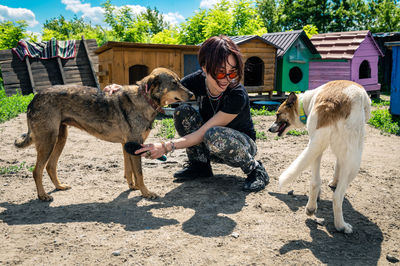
293 59
127 62
349 55
259 57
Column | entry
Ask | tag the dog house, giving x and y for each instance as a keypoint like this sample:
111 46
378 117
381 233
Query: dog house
128 62
349 55
385 63
293 59
259 57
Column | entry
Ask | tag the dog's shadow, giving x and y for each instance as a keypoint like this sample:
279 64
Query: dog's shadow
208 198
363 246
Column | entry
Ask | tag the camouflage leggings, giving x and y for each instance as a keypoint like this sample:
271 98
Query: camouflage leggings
220 144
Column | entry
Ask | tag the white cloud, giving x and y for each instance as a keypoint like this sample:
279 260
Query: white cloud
136 9
208 3
173 18
14 14
94 14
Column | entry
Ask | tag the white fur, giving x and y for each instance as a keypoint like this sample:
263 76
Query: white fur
346 139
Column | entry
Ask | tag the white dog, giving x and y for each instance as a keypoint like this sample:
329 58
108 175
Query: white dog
335 114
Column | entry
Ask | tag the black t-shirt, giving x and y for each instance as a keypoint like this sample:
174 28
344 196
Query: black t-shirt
233 101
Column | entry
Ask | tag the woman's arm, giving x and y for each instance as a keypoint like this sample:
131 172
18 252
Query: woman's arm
158 149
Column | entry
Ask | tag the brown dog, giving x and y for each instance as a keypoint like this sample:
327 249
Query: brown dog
127 115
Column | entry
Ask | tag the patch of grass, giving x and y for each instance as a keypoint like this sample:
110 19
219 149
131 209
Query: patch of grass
261 111
12 169
261 135
383 120
295 132
380 103
12 106
167 128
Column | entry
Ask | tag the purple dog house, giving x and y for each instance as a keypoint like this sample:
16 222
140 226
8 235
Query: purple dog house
349 55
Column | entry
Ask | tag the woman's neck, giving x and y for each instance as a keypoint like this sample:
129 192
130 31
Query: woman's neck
211 90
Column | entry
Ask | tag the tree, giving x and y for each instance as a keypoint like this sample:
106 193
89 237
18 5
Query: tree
239 17
386 14
156 20
11 33
167 36
133 28
62 29
267 9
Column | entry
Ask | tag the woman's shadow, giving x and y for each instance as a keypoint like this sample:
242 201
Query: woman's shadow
208 197
363 246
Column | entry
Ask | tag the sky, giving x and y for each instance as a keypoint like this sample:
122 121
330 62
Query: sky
36 12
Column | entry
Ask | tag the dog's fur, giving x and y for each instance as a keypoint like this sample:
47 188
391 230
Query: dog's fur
124 116
336 115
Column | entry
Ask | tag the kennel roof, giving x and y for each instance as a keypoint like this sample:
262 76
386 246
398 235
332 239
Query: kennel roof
342 45
246 38
285 40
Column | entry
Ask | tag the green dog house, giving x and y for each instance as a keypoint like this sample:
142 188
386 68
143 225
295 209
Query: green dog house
292 59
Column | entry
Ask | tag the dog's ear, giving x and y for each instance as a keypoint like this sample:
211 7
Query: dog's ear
153 81
291 100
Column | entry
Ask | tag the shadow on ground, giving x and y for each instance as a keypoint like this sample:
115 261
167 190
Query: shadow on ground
208 197
363 247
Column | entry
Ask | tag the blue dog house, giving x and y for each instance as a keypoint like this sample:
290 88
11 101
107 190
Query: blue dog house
395 82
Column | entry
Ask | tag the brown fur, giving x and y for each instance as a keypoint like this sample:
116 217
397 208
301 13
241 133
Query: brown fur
332 104
122 117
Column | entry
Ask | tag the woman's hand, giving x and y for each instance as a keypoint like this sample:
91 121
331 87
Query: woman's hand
110 89
152 150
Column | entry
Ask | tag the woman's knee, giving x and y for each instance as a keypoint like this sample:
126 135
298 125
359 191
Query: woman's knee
186 119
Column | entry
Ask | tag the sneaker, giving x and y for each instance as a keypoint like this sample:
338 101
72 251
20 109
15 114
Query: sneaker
194 170
257 179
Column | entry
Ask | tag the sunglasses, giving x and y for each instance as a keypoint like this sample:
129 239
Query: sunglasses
232 75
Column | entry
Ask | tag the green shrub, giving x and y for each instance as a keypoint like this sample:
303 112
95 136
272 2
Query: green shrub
383 120
261 135
295 132
167 129
380 103
261 111
12 106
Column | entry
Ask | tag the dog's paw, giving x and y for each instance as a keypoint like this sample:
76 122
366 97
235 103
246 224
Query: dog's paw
133 187
150 195
332 185
45 197
310 211
345 228
63 187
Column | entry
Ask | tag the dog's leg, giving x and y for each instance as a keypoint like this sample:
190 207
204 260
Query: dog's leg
52 163
128 170
44 148
137 171
333 183
315 186
317 144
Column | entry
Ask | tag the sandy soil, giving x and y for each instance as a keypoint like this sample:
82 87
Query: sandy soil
199 222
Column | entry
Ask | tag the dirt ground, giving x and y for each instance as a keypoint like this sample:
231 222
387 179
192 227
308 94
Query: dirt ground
208 221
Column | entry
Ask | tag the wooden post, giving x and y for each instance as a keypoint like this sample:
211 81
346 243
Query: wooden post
90 62
28 66
60 67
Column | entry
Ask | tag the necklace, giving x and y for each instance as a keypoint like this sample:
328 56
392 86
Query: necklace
212 98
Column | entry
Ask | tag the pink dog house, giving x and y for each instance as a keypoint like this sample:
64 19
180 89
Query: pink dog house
349 55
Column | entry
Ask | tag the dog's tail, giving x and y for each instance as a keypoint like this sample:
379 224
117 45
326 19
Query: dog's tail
24 140
367 107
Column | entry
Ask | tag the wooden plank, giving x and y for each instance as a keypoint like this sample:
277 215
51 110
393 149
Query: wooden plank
28 67
90 63
60 68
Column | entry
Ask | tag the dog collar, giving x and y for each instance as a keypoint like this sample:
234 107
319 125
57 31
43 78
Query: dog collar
303 117
153 104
